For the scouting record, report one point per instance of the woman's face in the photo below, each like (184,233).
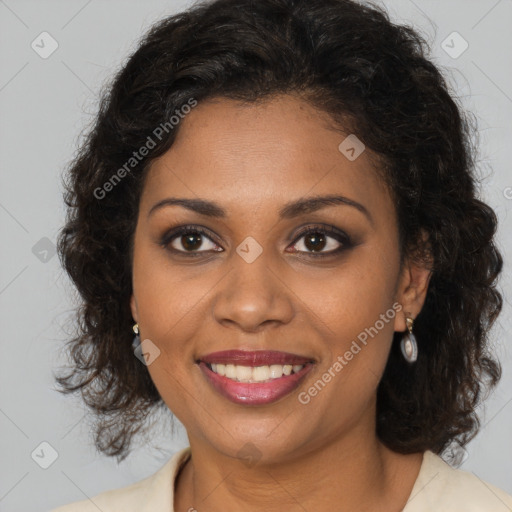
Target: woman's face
(252,281)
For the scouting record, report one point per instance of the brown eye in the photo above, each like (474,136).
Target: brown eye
(315,242)
(189,239)
(321,241)
(190,242)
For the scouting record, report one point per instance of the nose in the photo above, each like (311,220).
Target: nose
(253,296)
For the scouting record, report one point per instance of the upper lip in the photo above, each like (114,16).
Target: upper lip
(254,358)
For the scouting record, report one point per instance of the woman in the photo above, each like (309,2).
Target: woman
(278,198)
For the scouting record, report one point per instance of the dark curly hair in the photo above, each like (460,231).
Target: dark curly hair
(374,79)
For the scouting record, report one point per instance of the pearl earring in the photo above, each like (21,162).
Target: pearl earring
(136,338)
(408,344)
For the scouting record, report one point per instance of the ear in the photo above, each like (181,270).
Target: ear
(413,286)
(133,307)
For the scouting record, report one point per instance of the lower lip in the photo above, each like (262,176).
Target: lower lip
(254,393)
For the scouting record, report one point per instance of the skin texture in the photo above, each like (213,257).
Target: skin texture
(252,159)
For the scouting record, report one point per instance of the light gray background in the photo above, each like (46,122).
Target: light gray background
(45,103)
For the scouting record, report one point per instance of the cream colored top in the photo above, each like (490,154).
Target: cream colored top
(438,488)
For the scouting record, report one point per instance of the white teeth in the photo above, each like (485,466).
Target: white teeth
(243,372)
(261,373)
(231,371)
(255,373)
(276,371)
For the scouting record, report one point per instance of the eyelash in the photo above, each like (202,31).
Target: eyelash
(330,231)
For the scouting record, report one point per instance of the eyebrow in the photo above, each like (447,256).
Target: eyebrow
(288,211)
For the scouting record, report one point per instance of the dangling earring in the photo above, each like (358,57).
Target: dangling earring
(136,338)
(408,344)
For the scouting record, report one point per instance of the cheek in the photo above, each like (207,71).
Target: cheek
(170,301)
(354,311)
(354,295)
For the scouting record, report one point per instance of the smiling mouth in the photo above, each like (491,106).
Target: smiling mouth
(254,377)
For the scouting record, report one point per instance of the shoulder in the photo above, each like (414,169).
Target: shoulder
(442,488)
(152,494)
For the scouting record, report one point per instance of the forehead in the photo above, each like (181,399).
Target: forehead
(252,156)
